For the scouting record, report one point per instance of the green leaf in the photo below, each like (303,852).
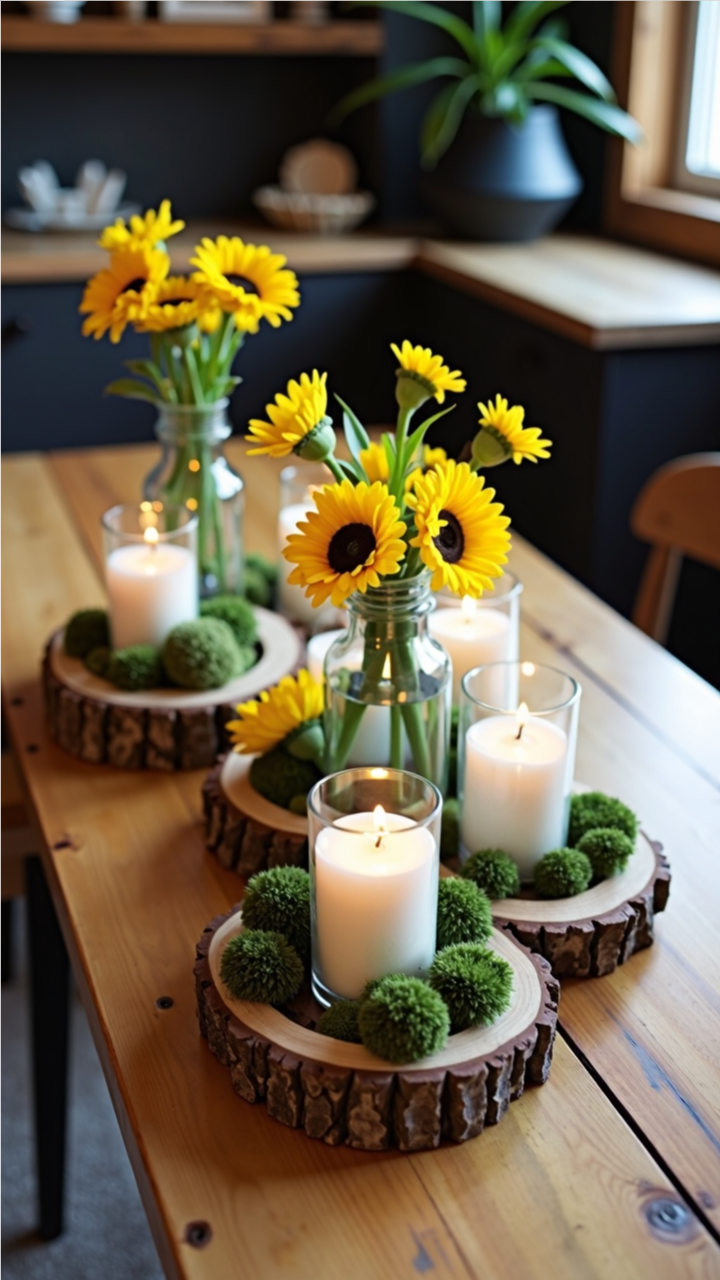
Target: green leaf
(352,470)
(486,17)
(355,434)
(527,15)
(193,375)
(388,445)
(147,369)
(539,69)
(442,18)
(416,439)
(131,389)
(432,122)
(579,65)
(405,78)
(604,114)
(448,123)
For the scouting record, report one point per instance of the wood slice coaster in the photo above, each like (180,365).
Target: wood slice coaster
(246,832)
(341,1093)
(589,935)
(162,729)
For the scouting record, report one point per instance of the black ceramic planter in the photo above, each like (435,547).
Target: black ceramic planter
(504,182)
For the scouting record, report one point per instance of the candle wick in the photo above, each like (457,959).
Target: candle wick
(518,735)
(378,842)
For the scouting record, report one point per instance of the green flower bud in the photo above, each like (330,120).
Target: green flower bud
(318,444)
(411,389)
(489,449)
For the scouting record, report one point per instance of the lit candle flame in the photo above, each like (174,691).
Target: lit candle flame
(468,606)
(380,824)
(523,715)
(151,536)
(386,675)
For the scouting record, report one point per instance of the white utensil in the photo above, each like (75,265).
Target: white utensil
(110,194)
(90,179)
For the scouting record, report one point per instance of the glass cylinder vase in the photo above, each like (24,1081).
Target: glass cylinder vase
(193,472)
(388,684)
(476,632)
(150,571)
(297,484)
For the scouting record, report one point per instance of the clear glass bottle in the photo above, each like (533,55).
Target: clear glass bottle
(388,684)
(193,472)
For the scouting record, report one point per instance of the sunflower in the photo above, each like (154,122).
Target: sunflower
(247,280)
(179,302)
(505,425)
(431,458)
(374,462)
(351,540)
(281,710)
(461,533)
(293,417)
(151,229)
(124,291)
(419,365)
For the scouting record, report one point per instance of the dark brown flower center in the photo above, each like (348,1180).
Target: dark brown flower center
(137,284)
(450,541)
(240,282)
(350,547)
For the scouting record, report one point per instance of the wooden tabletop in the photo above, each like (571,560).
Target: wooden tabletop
(610,1170)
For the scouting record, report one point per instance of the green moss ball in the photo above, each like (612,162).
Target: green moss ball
(403,1020)
(474,982)
(262,967)
(562,873)
(260,564)
(203,654)
(98,661)
(494,871)
(256,587)
(608,849)
(278,900)
(238,614)
(463,913)
(137,667)
(283,780)
(341,1021)
(88,629)
(595,809)
(450,830)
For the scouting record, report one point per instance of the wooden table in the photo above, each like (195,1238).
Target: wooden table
(610,1170)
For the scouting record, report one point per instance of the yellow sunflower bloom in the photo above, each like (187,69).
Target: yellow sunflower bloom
(150,229)
(427,371)
(281,710)
(352,540)
(431,458)
(178,302)
(247,280)
(374,462)
(123,293)
(294,417)
(505,425)
(461,533)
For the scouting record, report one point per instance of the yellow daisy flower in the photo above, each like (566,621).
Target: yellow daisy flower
(124,291)
(352,540)
(431,458)
(421,366)
(150,229)
(178,302)
(282,709)
(461,532)
(292,417)
(247,280)
(374,462)
(505,425)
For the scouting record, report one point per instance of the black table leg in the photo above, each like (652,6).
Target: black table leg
(49,1002)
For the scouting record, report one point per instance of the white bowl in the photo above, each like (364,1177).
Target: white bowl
(314,214)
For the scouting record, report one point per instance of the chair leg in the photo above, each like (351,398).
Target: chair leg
(6,941)
(50,1010)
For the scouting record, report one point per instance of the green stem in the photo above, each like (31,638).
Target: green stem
(332,464)
(398,478)
(396,753)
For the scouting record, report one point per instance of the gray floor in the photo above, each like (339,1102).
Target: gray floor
(106,1233)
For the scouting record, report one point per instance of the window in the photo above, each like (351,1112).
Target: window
(697,165)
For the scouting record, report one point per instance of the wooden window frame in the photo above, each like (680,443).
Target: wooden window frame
(642,203)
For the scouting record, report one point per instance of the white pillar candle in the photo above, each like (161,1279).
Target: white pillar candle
(152,586)
(376,887)
(514,788)
(472,638)
(291,598)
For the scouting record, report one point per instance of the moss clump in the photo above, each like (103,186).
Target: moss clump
(98,661)
(88,629)
(608,849)
(204,654)
(463,913)
(474,982)
(595,809)
(403,1020)
(259,564)
(562,873)
(137,667)
(450,830)
(262,967)
(341,1021)
(237,613)
(283,780)
(256,587)
(278,901)
(494,871)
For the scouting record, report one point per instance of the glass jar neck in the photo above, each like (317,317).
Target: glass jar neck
(180,424)
(395,599)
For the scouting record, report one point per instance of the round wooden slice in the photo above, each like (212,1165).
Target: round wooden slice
(163,729)
(341,1093)
(318,167)
(244,830)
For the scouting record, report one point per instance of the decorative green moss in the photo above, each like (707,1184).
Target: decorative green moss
(595,809)
(238,614)
(261,966)
(88,629)
(283,779)
(341,1021)
(474,982)
(278,900)
(204,654)
(98,661)
(137,667)
(256,587)
(463,913)
(450,830)
(493,871)
(403,1020)
(608,849)
(259,564)
(562,873)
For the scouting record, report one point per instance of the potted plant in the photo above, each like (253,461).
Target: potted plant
(491,143)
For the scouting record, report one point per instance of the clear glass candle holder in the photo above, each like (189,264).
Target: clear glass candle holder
(150,570)
(475,632)
(517,735)
(374,840)
(296,489)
